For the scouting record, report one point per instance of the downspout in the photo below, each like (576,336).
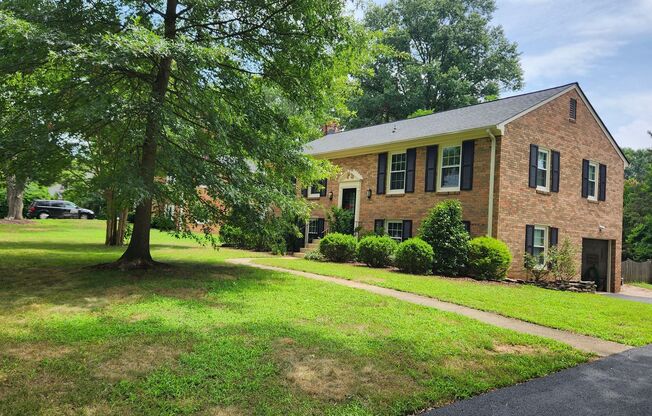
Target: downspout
(492,174)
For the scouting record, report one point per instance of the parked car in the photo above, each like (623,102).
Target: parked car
(42,209)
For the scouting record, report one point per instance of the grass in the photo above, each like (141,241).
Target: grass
(590,314)
(641,284)
(205,337)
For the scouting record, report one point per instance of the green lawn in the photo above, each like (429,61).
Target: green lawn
(642,284)
(205,337)
(600,316)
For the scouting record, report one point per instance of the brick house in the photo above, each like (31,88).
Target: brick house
(529,170)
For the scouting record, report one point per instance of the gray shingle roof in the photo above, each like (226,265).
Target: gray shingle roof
(476,116)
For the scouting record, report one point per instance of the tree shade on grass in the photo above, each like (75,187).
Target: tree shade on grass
(204,337)
(590,314)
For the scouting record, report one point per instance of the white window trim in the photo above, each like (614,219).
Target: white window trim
(545,243)
(389,173)
(312,194)
(387,222)
(440,168)
(548,169)
(595,165)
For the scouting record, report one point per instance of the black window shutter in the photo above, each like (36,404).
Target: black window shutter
(382,173)
(304,192)
(411,156)
(534,154)
(407,229)
(602,190)
(379,227)
(554,186)
(585,178)
(553,237)
(431,168)
(529,239)
(324,184)
(320,227)
(467,226)
(468,150)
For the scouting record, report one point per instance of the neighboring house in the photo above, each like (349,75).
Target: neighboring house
(529,170)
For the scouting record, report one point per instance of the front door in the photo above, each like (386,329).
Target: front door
(348,203)
(595,263)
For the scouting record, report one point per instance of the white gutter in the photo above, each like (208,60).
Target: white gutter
(492,174)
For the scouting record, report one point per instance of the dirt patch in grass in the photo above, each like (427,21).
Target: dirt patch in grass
(224,411)
(138,360)
(186,293)
(37,351)
(335,379)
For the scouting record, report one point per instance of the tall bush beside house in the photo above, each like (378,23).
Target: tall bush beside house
(338,247)
(563,261)
(444,230)
(376,251)
(536,266)
(414,256)
(489,258)
(341,221)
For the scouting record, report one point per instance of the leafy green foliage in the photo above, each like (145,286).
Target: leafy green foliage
(639,240)
(238,237)
(340,220)
(536,266)
(216,94)
(376,251)
(444,231)
(414,256)
(33,191)
(637,203)
(489,258)
(435,55)
(564,265)
(338,247)
(314,255)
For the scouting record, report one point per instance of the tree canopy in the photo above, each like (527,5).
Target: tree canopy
(215,94)
(437,55)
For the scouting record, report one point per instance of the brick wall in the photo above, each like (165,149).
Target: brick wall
(576,217)
(413,206)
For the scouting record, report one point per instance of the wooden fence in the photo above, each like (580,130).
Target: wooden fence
(633,271)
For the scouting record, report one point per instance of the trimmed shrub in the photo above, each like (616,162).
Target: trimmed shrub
(489,258)
(314,255)
(414,256)
(338,247)
(444,231)
(376,251)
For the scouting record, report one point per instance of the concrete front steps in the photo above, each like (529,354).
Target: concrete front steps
(310,247)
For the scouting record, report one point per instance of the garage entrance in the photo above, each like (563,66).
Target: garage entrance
(596,264)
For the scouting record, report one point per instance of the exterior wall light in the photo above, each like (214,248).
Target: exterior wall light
(330,195)
(369,193)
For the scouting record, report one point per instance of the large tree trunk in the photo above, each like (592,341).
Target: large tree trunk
(15,191)
(138,254)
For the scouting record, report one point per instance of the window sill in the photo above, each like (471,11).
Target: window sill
(543,192)
(314,196)
(572,120)
(395,194)
(593,201)
(451,192)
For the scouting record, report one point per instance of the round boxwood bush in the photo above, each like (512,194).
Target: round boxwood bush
(414,256)
(338,247)
(376,251)
(488,258)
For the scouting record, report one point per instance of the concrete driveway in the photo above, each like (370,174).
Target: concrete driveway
(620,384)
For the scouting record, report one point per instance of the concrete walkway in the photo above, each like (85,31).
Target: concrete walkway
(582,342)
(617,385)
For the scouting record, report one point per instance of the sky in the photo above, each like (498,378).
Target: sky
(605,45)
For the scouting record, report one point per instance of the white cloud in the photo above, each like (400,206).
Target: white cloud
(634,134)
(619,20)
(572,59)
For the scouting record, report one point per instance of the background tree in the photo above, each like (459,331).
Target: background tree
(437,55)
(637,204)
(221,94)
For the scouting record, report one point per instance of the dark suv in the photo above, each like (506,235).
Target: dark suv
(57,209)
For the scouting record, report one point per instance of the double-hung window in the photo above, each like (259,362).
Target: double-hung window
(313,191)
(593,181)
(451,165)
(397,168)
(395,230)
(543,169)
(540,243)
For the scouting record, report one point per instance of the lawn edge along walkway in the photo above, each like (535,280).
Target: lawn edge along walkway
(585,343)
